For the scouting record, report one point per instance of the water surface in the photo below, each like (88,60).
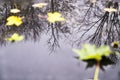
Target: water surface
(32,58)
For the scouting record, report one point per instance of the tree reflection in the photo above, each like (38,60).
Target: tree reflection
(85,18)
(34,26)
(30,28)
(57,28)
(104,26)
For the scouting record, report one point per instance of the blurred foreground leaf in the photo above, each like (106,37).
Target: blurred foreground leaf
(89,51)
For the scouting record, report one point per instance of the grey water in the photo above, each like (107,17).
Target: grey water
(33,60)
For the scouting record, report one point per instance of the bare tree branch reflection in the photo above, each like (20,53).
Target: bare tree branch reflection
(33,26)
(58,29)
(105,29)
(92,24)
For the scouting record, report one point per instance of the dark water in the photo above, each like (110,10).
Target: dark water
(32,58)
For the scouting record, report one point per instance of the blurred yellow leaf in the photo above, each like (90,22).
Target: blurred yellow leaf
(89,51)
(39,5)
(53,17)
(15,10)
(15,37)
(110,9)
(14,20)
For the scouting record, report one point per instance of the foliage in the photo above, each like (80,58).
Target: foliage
(110,9)
(15,37)
(15,10)
(55,16)
(94,55)
(14,20)
(39,5)
(92,52)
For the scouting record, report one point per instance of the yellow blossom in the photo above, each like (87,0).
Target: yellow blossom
(15,37)
(14,20)
(54,17)
(15,10)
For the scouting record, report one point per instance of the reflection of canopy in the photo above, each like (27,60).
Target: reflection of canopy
(97,25)
(101,26)
(32,26)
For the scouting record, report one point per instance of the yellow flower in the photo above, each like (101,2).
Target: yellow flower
(14,20)
(15,37)
(39,5)
(53,17)
(15,10)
